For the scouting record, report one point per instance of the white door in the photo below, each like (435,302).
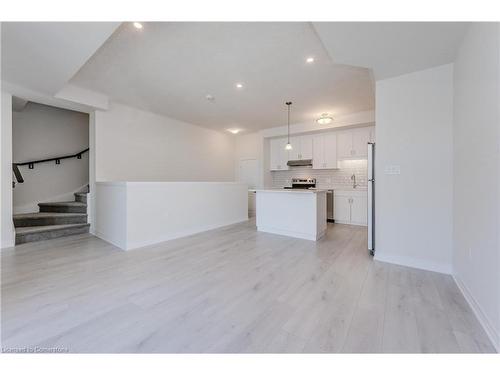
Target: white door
(318,152)
(360,139)
(344,144)
(248,172)
(330,150)
(306,147)
(342,209)
(359,210)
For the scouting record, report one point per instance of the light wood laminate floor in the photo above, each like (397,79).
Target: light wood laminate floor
(229,290)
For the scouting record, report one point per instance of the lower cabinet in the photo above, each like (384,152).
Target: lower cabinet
(351,207)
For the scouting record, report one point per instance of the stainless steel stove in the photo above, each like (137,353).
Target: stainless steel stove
(302,183)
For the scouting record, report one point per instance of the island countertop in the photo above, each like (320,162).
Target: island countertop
(300,191)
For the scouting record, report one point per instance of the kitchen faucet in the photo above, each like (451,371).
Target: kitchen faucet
(353,178)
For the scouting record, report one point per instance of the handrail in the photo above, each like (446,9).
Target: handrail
(56,159)
(31,164)
(17,173)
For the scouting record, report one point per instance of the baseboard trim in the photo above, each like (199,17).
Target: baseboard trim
(481,317)
(108,239)
(413,263)
(7,244)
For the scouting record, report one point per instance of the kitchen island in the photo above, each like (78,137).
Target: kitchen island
(292,212)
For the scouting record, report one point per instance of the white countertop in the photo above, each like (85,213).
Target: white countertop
(299,191)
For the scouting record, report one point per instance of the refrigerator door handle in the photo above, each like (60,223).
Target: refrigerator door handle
(371,198)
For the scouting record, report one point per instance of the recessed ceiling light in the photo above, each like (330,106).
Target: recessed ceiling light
(310,60)
(239,85)
(138,25)
(234,131)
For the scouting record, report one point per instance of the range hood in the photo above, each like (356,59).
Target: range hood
(300,163)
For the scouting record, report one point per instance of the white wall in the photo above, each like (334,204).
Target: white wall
(152,212)
(134,145)
(476,173)
(414,114)
(40,132)
(6,225)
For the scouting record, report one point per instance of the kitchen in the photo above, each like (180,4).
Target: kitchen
(329,163)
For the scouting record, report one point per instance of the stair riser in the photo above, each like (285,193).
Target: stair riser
(32,237)
(81,198)
(39,221)
(67,209)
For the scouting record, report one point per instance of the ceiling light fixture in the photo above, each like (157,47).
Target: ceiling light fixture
(324,119)
(310,60)
(239,85)
(138,25)
(288,146)
(234,131)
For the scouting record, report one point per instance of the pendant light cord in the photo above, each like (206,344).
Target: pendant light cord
(288,105)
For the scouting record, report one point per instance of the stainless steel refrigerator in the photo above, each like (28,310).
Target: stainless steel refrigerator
(371,198)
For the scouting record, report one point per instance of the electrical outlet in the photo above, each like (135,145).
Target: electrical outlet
(392,169)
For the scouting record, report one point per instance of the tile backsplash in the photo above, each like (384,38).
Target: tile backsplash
(326,178)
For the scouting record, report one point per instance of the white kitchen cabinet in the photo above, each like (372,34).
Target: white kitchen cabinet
(372,134)
(324,147)
(351,207)
(302,147)
(344,144)
(342,208)
(360,139)
(359,210)
(306,147)
(277,154)
(352,144)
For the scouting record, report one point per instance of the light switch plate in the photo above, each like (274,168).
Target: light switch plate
(392,169)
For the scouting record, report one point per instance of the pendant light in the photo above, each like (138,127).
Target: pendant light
(288,146)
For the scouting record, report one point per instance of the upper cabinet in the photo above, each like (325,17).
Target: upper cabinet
(352,144)
(325,151)
(302,147)
(277,154)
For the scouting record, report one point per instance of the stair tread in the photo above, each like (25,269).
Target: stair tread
(31,215)
(46,228)
(71,203)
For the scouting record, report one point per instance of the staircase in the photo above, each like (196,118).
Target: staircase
(55,219)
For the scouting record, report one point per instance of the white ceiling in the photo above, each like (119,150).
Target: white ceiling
(43,56)
(392,48)
(169,68)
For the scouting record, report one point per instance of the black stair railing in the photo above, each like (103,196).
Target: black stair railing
(31,164)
